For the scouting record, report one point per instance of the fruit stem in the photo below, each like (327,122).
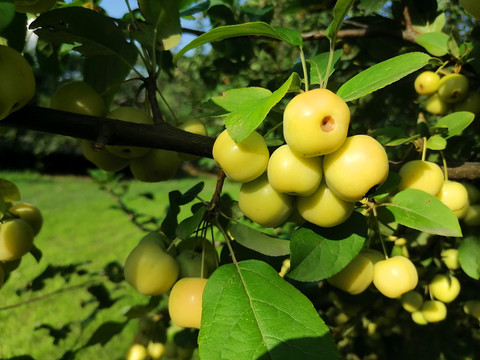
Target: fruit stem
(377,226)
(304,67)
(329,63)
(227,241)
(424,149)
(445,168)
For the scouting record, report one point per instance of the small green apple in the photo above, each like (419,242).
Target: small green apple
(102,158)
(157,165)
(450,258)
(193,126)
(78,97)
(453,88)
(435,105)
(356,277)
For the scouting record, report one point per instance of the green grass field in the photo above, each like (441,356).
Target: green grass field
(80,226)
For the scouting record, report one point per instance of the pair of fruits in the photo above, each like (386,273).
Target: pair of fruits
(319,173)
(148,165)
(429,177)
(392,276)
(450,92)
(17,85)
(20,224)
(154,267)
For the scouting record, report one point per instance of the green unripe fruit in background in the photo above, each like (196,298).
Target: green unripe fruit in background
(453,88)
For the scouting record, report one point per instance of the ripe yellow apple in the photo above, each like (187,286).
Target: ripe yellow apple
(455,196)
(78,97)
(435,105)
(17,85)
(157,165)
(33,6)
(357,167)
(418,318)
(470,103)
(243,161)
(472,307)
(316,122)
(185,302)
(356,277)
(472,215)
(433,310)
(16,239)
(444,287)
(155,350)
(149,269)
(450,258)
(28,212)
(427,83)
(411,301)
(193,126)
(261,203)
(137,352)
(395,276)
(453,88)
(102,158)
(294,174)
(129,114)
(324,208)
(422,175)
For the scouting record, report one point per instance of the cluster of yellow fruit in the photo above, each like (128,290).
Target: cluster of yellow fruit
(446,93)
(146,164)
(429,177)
(19,224)
(156,267)
(319,173)
(17,85)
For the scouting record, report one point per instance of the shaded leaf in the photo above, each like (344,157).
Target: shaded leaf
(318,66)
(382,74)
(257,295)
(424,212)
(187,226)
(105,332)
(318,253)
(259,241)
(9,191)
(469,256)
(455,122)
(339,12)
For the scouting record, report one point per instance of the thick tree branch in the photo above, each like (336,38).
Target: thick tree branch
(108,131)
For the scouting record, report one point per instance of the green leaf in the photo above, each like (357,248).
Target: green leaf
(109,57)
(272,319)
(257,28)
(259,241)
(436,142)
(424,212)
(469,256)
(165,18)
(318,66)
(187,226)
(339,12)
(248,107)
(7,13)
(455,122)
(436,43)
(318,253)
(382,74)
(402,141)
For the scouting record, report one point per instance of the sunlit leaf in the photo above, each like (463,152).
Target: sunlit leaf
(436,43)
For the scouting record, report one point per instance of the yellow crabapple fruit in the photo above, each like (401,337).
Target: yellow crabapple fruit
(433,310)
(471,103)
(185,302)
(78,97)
(137,352)
(157,165)
(454,195)
(450,258)
(427,83)
(193,126)
(33,6)
(357,167)
(472,307)
(324,208)
(156,350)
(294,174)
(444,287)
(356,277)
(374,255)
(472,215)
(421,175)
(453,88)
(243,161)
(149,269)
(316,122)
(395,276)
(411,301)
(16,239)
(261,203)
(28,212)
(133,115)
(102,158)
(418,318)
(435,105)
(17,85)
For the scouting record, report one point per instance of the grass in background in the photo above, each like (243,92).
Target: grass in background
(81,225)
